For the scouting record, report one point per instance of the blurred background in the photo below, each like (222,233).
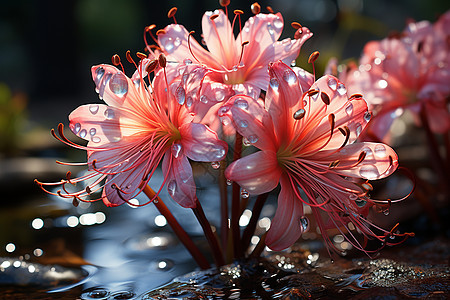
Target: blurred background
(47,49)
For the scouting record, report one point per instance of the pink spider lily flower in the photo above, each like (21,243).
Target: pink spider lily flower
(237,62)
(138,128)
(307,143)
(409,71)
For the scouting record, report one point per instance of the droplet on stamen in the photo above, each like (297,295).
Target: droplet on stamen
(241,103)
(289,76)
(83,133)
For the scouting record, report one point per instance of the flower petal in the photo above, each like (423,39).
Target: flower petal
(285,228)
(258,173)
(201,143)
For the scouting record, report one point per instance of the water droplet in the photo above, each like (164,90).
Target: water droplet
(168,45)
(274,83)
(304,224)
(203,99)
(180,95)
(172,187)
(229,182)
(341,89)
(349,109)
(235,68)
(270,29)
(225,120)
(241,103)
(219,152)
(244,194)
(361,202)
(245,142)
(119,85)
(301,73)
(253,138)
(177,42)
(368,151)
(220,95)
(93,108)
(215,165)
(278,23)
(243,124)
(99,75)
(96,139)
(189,101)
(332,83)
(176,150)
(358,129)
(123,295)
(77,128)
(367,116)
(380,151)
(92,131)
(353,196)
(299,114)
(187,61)
(97,293)
(83,133)
(109,114)
(289,76)
(223,110)
(369,172)
(293,63)
(105,81)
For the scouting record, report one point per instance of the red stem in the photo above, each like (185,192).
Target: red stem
(223,205)
(235,204)
(212,240)
(179,231)
(256,211)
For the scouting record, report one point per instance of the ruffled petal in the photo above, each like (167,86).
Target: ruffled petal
(180,181)
(285,228)
(201,143)
(258,173)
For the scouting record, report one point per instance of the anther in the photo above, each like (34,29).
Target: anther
(269,9)
(160,31)
(298,34)
(355,97)
(129,58)
(361,157)
(172,12)
(88,190)
(256,8)
(152,65)
(213,17)
(296,25)
(325,98)
(334,164)
(367,186)
(115,59)
(313,57)
(162,60)
(150,27)
(224,3)
(331,119)
(238,12)
(299,114)
(311,93)
(68,175)
(75,202)
(141,55)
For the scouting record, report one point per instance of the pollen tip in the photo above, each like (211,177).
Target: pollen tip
(152,65)
(313,57)
(172,12)
(141,55)
(256,8)
(269,9)
(238,12)
(224,3)
(296,25)
(160,31)
(150,27)
(115,59)
(213,17)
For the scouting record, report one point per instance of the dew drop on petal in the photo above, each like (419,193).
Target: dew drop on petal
(77,128)
(243,124)
(245,142)
(358,129)
(219,153)
(168,44)
(241,103)
(109,114)
(119,85)
(341,89)
(369,172)
(105,81)
(220,95)
(176,150)
(270,29)
(289,76)
(225,120)
(95,139)
(253,138)
(278,23)
(380,151)
(229,182)
(99,75)
(349,109)
(203,99)
(304,224)
(223,110)
(353,196)
(93,108)
(215,165)
(299,114)
(244,194)
(177,42)
(83,133)
(180,95)
(367,116)
(92,131)
(187,61)
(368,151)
(332,83)
(172,187)
(189,101)
(274,83)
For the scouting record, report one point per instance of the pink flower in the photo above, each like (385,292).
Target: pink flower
(132,134)
(306,142)
(229,62)
(409,71)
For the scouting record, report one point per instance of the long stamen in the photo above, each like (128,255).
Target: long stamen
(117,62)
(312,58)
(189,45)
(171,14)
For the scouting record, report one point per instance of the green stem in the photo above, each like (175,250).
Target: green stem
(212,240)
(179,231)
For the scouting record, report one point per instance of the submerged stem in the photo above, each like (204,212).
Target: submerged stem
(176,227)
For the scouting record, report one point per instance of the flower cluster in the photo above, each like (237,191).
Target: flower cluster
(184,101)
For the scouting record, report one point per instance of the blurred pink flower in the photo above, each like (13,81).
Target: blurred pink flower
(132,134)
(306,142)
(234,65)
(408,71)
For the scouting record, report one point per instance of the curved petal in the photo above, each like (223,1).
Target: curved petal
(285,228)
(201,143)
(258,173)
(180,181)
